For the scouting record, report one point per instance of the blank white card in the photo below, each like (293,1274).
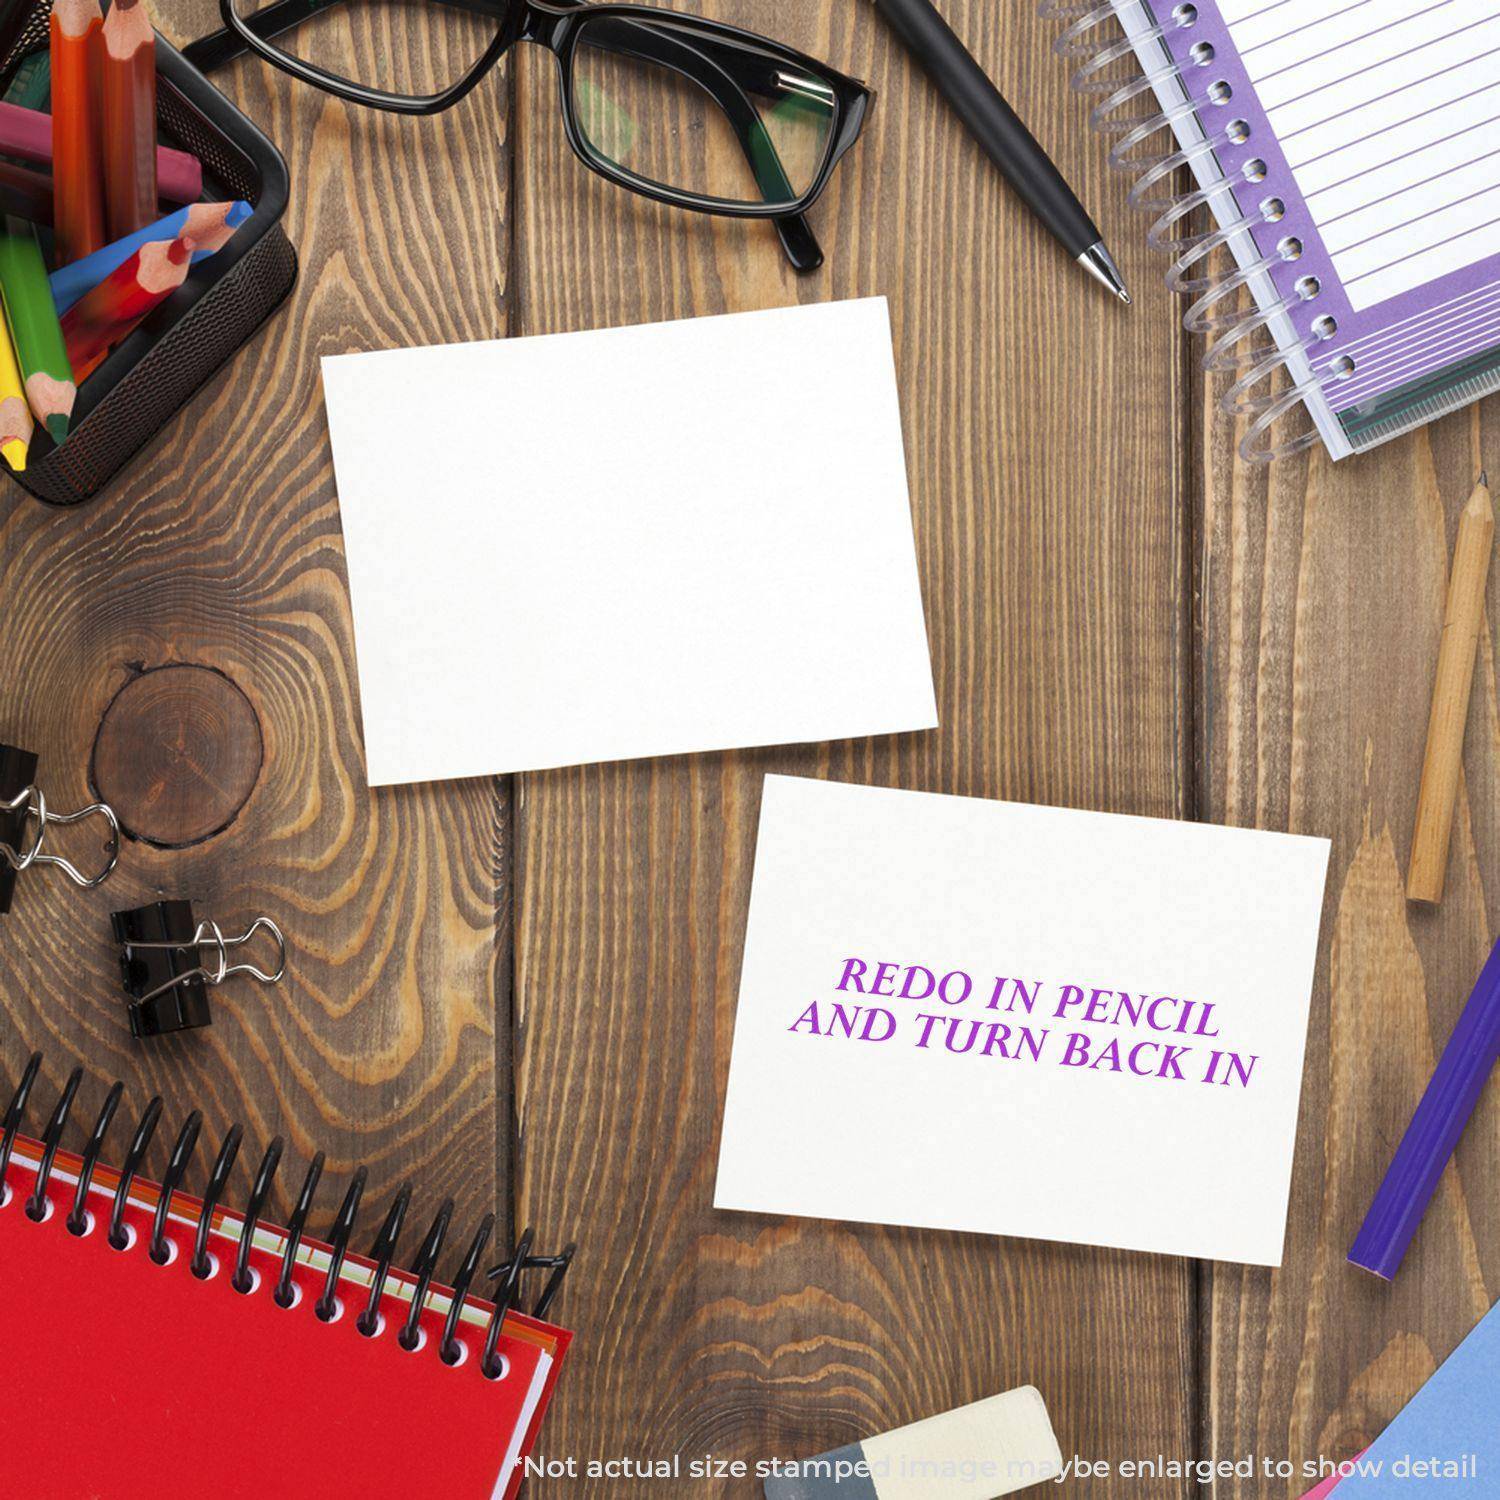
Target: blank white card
(640,541)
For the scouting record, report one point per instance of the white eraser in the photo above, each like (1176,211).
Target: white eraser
(980,1452)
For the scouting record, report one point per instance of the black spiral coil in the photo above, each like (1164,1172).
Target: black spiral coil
(244,1281)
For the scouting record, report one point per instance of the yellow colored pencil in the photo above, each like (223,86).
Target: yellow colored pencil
(15,415)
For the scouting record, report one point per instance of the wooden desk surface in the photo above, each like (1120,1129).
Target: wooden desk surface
(520,991)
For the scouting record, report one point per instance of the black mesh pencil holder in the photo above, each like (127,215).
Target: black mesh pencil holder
(165,362)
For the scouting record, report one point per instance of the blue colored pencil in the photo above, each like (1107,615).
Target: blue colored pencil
(208,224)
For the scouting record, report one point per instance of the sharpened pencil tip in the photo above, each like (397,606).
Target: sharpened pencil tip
(57,427)
(15,455)
(1484,478)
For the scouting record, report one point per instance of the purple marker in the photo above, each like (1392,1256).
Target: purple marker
(1432,1136)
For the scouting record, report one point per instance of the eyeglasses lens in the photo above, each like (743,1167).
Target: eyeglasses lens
(679,108)
(408,47)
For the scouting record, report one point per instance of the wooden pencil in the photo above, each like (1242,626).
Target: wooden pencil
(31,86)
(128,89)
(34,328)
(1462,621)
(16,425)
(210,226)
(98,321)
(25,193)
(78,182)
(26,134)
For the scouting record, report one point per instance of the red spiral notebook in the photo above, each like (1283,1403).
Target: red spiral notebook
(131,1379)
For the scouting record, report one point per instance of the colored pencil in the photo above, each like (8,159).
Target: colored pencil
(1463,619)
(32,85)
(25,193)
(78,182)
(128,89)
(26,134)
(34,328)
(1435,1130)
(15,416)
(98,321)
(209,224)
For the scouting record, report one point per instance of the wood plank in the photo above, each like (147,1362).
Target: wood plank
(222,550)
(1323,590)
(1049,497)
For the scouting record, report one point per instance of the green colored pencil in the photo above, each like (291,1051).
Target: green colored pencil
(34,328)
(32,85)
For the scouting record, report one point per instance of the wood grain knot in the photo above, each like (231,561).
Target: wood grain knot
(178,752)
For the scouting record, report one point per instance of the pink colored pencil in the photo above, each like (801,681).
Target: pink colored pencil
(26,134)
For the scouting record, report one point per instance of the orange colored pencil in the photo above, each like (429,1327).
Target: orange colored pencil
(128,89)
(78,179)
(99,320)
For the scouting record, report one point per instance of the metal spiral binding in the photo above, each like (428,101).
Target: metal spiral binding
(451,1351)
(1119,113)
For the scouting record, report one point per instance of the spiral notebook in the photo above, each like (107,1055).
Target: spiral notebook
(134,1377)
(1349,152)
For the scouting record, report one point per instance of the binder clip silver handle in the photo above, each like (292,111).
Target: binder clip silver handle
(32,804)
(209,934)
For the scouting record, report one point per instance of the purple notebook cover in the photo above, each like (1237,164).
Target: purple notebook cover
(1403,338)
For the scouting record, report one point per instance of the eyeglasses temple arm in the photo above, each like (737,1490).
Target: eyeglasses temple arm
(797,238)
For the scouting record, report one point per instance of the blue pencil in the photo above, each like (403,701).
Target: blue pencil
(209,224)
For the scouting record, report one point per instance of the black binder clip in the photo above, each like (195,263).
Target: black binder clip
(25,819)
(162,962)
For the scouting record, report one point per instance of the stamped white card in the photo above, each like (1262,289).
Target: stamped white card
(1017,1020)
(630,541)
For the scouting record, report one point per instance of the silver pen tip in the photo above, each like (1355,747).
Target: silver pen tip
(1100,264)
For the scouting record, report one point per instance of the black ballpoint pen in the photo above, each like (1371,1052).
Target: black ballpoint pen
(998,129)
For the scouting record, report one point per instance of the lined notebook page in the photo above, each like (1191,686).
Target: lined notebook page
(1389,113)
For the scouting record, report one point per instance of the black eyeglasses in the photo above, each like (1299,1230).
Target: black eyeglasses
(679,109)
